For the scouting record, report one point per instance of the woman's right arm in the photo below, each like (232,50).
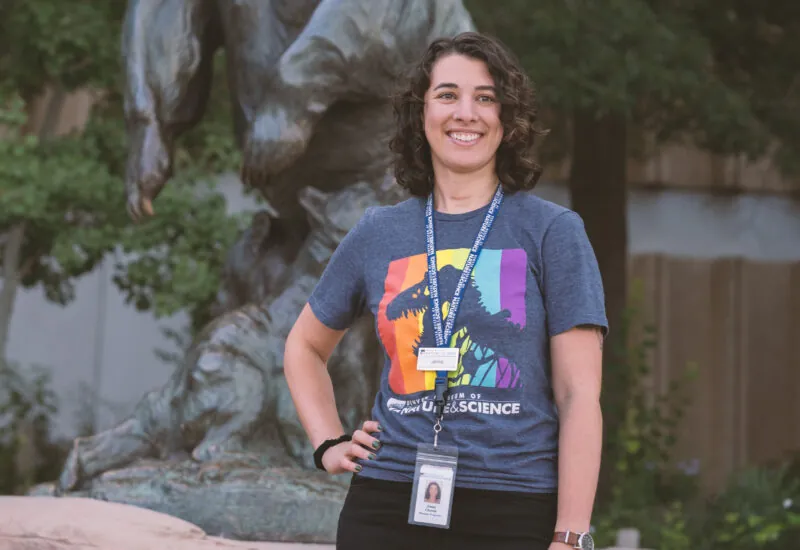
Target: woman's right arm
(308,347)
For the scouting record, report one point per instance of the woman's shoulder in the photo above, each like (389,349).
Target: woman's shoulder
(381,224)
(381,217)
(540,215)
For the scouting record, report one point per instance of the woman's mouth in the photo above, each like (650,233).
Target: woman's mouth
(464,138)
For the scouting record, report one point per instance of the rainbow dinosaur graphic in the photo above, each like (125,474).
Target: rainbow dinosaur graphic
(487,330)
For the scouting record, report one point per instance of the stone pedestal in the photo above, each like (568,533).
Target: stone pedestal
(234,499)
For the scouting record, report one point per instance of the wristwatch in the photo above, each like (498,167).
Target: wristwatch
(582,541)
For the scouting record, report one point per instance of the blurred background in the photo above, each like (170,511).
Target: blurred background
(674,132)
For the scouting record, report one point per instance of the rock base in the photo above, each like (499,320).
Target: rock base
(233,499)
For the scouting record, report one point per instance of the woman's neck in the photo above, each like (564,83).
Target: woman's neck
(459,193)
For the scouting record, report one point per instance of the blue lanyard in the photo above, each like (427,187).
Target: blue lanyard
(443,335)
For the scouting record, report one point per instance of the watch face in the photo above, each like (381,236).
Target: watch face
(586,542)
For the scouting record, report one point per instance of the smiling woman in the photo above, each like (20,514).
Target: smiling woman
(462,118)
(488,303)
(470,89)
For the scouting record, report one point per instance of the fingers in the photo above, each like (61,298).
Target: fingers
(346,464)
(365,440)
(359,451)
(362,446)
(355,451)
(344,458)
(371,426)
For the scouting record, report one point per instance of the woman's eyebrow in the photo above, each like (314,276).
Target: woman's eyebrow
(452,85)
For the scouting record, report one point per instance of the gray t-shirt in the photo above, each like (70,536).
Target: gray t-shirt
(536,277)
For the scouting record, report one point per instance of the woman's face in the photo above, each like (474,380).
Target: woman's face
(462,115)
(434,491)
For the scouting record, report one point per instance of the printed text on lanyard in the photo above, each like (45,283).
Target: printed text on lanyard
(443,334)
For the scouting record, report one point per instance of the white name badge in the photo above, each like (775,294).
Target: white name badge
(445,359)
(434,486)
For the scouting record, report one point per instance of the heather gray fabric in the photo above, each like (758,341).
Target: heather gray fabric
(536,277)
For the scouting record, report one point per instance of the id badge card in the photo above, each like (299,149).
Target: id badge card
(434,484)
(437,359)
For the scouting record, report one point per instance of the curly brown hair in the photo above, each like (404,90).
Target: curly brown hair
(516,164)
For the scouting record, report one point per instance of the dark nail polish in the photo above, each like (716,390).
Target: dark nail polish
(376,444)
(380,428)
(358,467)
(372,456)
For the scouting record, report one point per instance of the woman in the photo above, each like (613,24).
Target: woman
(433,494)
(521,405)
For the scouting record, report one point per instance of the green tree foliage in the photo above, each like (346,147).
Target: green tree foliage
(756,53)
(717,72)
(62,205)
(73,43)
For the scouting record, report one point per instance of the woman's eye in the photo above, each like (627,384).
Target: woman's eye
(447,95)
(486,99)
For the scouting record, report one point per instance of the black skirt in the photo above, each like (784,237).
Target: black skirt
(375,514)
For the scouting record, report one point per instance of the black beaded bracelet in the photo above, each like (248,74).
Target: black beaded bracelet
(324,446)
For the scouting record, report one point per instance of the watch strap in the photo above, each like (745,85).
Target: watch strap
(567,537)
(324,446)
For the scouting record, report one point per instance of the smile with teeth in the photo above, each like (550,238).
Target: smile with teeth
(464,137)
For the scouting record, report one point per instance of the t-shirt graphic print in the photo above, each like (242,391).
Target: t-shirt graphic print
(487,329)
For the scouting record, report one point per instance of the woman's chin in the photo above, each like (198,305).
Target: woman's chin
(466,166)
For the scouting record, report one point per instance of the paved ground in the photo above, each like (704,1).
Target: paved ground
(286,546)
(274,546)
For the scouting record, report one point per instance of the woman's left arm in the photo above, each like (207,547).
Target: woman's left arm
(577,367)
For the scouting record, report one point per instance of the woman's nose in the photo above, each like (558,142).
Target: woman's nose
(465,110)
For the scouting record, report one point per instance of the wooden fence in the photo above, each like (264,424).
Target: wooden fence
(677,166)
(738,321)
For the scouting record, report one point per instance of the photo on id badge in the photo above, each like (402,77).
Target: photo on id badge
(432,500)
